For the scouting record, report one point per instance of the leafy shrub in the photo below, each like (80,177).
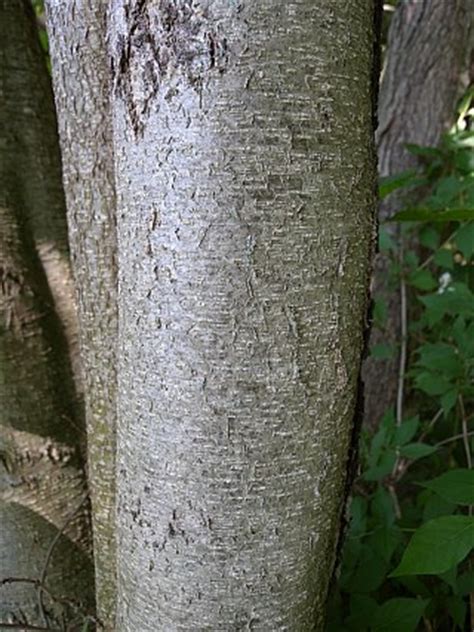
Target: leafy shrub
(406,562)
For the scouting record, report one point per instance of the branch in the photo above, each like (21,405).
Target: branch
(403,350)
(465,433)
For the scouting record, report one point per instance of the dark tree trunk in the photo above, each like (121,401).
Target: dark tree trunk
(427,54)
(42,438)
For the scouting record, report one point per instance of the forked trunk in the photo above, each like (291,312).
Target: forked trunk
(44,532)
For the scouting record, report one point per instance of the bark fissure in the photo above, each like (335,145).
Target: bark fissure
(180,41)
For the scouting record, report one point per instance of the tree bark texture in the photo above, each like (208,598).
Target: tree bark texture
(427,54)
(245,210)
(77,31)
(42,479)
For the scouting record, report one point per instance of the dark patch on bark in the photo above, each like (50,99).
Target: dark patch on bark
(376,59)
(175,40)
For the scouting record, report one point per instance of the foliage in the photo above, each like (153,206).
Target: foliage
(406,562)
(38,7)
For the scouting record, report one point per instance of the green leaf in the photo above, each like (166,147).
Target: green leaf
(382,437)
(414,585)
(464,159)
(352,552)
(382,507)
(465,103)
(335,611)
(435,506)
(441,357)
(417,450)
(398,615)
(444,258)
(358,515)
(437,546)
(369,574)
(456,486)
(432,383)
(383,351)
(456,300)
(465,240)
(422,280)
(425,152)
(385,540)
(448,400)
(447,190)
(429,237)
(391,183)
(457,609)
(462,139)
(380,312)
(407,430)
(425,214)
(384,467)
(386,242)
(464,336)
(449,577)
(465,582)
(411,260)
(362,610)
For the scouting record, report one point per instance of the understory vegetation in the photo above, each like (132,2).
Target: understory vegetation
(407,563)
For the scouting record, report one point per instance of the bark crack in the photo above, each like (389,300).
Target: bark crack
(179,40)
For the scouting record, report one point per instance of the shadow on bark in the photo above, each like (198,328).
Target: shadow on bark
(45,534)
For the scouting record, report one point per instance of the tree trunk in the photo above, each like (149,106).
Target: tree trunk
(42,481)
(427,53)
(77,30)
(245,178)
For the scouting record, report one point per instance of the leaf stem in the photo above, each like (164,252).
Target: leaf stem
(465,433)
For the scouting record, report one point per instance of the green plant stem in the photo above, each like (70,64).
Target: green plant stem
(396,504)
(465,432)
(403,348)
(431,424)
(429,259)
(428,625)
(454,438)
(401,379)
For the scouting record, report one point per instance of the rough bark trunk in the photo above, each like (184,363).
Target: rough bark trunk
(245,178)
(42,480)
(427,54)
(77,30)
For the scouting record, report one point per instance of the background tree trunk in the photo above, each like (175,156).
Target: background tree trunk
(427,53)
(42,438)
(77,30)
(245,177)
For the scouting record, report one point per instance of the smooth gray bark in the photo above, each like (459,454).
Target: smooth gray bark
(42,438)
(245,176)
(427,53)
(77,31)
